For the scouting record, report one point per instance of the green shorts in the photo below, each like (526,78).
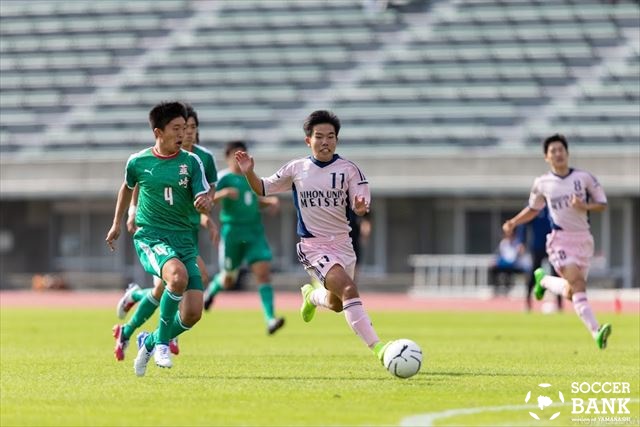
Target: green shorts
(155,247)
(242,243)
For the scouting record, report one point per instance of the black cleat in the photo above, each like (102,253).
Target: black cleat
(274,325)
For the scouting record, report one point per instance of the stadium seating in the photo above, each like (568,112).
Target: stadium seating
(80,74)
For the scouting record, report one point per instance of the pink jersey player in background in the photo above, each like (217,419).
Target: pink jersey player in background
(569,194)
(324,187)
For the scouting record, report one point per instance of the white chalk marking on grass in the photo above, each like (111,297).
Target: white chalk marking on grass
(426,420)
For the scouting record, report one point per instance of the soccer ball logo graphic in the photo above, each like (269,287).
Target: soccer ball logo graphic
(543,401)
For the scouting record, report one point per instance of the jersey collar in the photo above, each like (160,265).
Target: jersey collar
(563,176)
(160,156)
(323,164)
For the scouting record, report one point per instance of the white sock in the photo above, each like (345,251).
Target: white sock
(555,284)
(318,297)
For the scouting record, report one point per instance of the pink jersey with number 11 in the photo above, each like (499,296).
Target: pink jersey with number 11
(322,192)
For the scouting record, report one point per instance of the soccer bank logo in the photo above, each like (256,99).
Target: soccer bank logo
(544,397)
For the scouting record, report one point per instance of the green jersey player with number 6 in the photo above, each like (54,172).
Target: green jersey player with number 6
(171,182)
(242,236)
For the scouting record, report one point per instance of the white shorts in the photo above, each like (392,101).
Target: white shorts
(570,247)
(319,255)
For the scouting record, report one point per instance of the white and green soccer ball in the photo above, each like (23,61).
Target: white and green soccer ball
(403,358)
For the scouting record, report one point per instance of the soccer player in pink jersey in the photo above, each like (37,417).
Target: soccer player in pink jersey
(324,186)
(569,194)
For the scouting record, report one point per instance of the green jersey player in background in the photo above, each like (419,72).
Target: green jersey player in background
(172,181)
(242,236)
(149,298)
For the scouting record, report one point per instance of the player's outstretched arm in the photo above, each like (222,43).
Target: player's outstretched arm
(227,192)
(523,217)
(124,198)
(246,164)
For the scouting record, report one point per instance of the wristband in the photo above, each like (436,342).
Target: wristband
(132,210)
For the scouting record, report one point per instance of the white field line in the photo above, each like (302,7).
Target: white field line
(427,420)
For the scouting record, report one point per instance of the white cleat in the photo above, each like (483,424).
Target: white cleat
(126,302)
(143,357)
(162,356)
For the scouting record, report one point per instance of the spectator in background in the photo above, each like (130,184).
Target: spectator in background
(511,258)
(539,227)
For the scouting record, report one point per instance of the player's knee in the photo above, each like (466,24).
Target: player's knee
(205,277)
(263,278)
(176,280)
(228,282)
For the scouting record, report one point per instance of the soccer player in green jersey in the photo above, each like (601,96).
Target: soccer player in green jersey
(242,236)
(172,181)
(149,298)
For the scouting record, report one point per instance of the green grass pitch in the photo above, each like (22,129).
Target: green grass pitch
(57,368)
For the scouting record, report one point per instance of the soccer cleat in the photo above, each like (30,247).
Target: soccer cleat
(538,289)
(126,302)
(208,298)
(603,335)
(379,350)
(143,357)
(274,325)
(307,310)
(121,342)
(162,356)
(173,346)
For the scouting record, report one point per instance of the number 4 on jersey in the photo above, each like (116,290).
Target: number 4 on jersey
(168,195)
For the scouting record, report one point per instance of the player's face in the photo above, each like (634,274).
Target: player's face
(171,136)
(190,132)
(557,156)
(323,141)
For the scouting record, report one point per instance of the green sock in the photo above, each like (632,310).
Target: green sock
(140,294)
(143,312)
(266,296)
(168,308)
(215,285)
(177,327)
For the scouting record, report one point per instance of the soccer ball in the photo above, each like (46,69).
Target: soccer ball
(403,358)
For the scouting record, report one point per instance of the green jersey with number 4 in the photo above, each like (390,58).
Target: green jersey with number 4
(168,188)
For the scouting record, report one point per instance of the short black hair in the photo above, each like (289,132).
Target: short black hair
(161,114)
(556,137)
(192,113)
(233,146)
(319,117)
